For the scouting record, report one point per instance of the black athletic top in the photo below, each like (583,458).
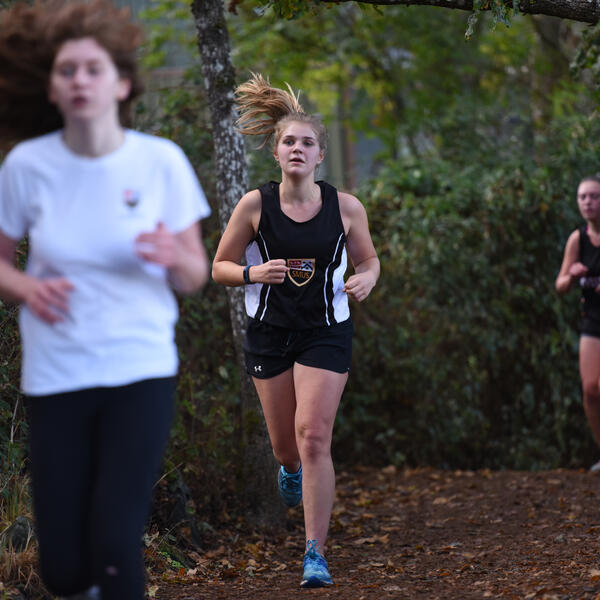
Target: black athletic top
(311,294)
(589,255)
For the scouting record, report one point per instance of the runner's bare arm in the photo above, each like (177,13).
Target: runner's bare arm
(360,248)
(240,231)
(571,269)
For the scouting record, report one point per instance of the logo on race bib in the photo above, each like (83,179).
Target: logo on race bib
(301,270)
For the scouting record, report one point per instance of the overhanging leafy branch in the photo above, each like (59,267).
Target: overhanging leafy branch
(585,11)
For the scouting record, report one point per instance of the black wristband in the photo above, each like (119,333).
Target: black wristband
(247,274)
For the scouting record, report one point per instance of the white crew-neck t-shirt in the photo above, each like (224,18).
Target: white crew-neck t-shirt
(82,216)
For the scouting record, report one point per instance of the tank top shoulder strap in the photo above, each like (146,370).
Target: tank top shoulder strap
(269,212)
(328,192)
(583,240)
(331,204)
(268,192)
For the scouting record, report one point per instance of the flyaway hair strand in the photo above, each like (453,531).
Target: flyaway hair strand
(261,106)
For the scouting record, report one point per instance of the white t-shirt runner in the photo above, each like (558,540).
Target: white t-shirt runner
(82,216)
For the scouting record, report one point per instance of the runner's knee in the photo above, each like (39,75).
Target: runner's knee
(313,442)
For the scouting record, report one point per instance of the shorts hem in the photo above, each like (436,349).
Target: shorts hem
(307,363)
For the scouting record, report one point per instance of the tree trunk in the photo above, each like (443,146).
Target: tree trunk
(257,473)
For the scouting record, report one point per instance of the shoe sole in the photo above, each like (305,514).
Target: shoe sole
(289,501)
(315,582)
(291,505)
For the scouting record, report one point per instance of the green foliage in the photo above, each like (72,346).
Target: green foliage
(479,352)
(204,442)
(393,92)
(587,57)
(169,33)
(285,9)
(500,11)
(14,498)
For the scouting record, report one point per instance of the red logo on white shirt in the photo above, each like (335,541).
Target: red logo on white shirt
(131,198)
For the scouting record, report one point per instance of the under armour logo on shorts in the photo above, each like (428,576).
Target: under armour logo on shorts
(258,368)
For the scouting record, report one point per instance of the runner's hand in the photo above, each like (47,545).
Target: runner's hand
(359,285)
(158,246)
(577,270)
(48,299)
(271,272)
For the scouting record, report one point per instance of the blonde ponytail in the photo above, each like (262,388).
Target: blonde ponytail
(261,106)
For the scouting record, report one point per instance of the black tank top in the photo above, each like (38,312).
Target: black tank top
(589,255)
(311,294)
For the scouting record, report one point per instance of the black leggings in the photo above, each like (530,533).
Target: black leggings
(95,456)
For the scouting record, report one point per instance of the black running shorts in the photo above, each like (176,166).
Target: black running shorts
(271,350)
(589,327)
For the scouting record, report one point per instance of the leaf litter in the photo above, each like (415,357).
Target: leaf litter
(423,533)
(407,534)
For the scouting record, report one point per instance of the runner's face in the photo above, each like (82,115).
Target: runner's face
(588,200)
(84,82)
(298,151)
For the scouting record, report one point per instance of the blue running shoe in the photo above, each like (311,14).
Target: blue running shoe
(316,572)
(290,486)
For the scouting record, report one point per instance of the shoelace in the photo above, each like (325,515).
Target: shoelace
(311,548)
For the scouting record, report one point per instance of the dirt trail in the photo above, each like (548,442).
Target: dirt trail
(423,534)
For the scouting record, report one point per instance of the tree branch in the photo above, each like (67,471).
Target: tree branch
(585,11)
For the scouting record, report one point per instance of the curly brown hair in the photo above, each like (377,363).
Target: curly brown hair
(266,110)
(30,37)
